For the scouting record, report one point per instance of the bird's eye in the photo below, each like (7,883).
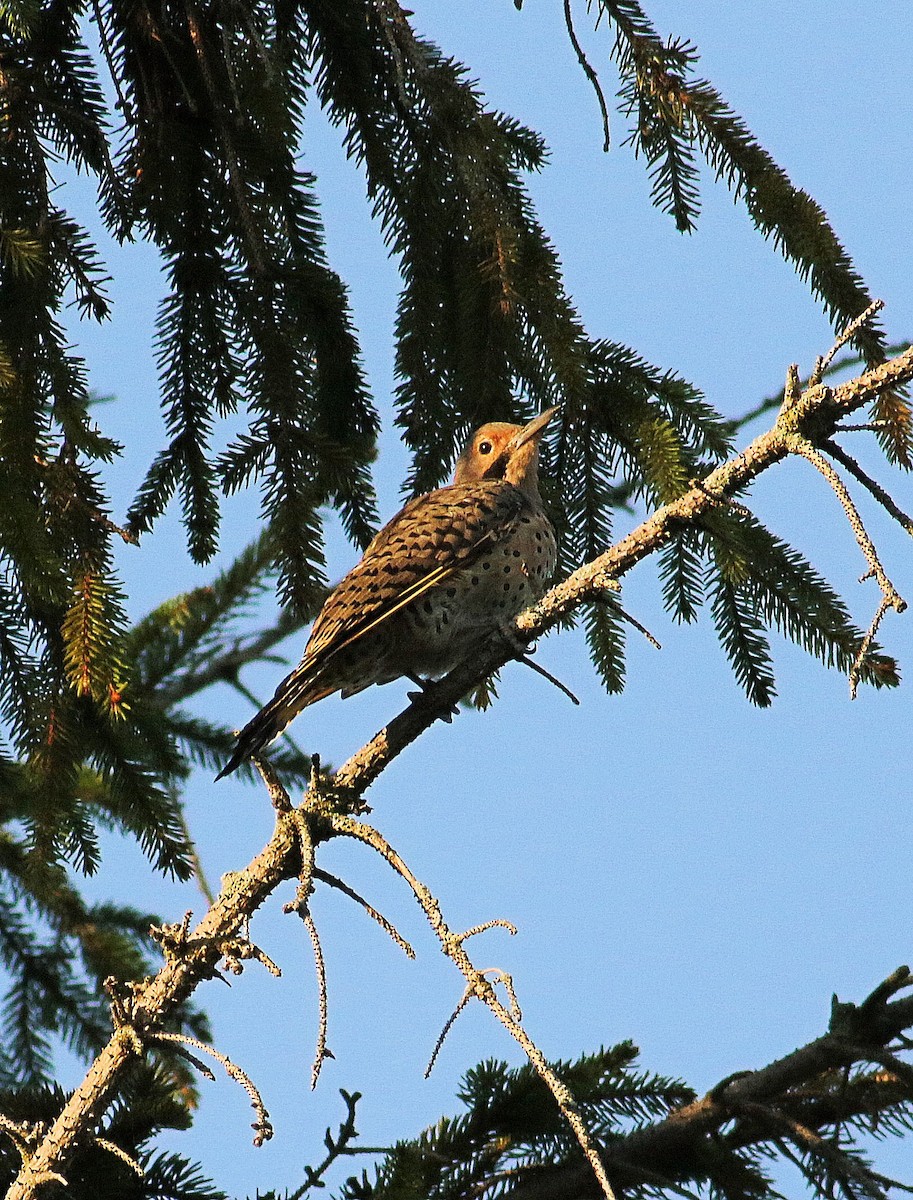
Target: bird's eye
(485,447)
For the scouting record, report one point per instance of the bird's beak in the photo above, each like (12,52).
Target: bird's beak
(532,430)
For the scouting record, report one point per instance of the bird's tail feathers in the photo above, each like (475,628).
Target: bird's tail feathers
(293,694)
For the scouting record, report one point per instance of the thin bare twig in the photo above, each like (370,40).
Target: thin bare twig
(867,427)
(494,923)
(500,976)
(590,74)
(321,1054)
(801,445)
(121,1153)
(277,793)
(387,926)
(612,603)
(884,498)
(534,666)
(865,644)
(263,1130)
(448,1025)
(336,1146)
(206,1071)
(773,403)
(846,335)
(890,597)
(507,982)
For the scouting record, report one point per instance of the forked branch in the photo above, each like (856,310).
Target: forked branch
(479,986)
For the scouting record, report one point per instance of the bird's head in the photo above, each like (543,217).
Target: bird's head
(500,450)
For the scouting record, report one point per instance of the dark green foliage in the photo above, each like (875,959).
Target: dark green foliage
(791,596)
(56,952)
(483,314)
(206,165)
(605,635)
(192,641)
(511,1126)
(682,572)
(742,637)
(254,314)
(757,581)
(511,1140)
(674,113)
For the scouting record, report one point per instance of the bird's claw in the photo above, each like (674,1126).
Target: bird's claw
(428,695)
(519,646)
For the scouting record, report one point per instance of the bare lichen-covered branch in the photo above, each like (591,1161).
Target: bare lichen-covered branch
(801,445)
(856,669)
(321,1053)
(387,926)
(241,894)
(263,1129)
(885,499)
(121,1153)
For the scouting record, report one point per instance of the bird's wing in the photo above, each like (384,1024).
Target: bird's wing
(429,541)
(433,538)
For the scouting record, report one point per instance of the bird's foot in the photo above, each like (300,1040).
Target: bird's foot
(429,695)
(518,645)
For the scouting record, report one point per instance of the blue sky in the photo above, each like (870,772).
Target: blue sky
(685,870)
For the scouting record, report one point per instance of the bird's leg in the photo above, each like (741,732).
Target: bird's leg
(520,647)
(428,695)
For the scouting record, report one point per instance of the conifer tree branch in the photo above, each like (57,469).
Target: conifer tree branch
(801,445)
(226,664)
(886,501)
(241,894)
(886,602)
(772,403)
(814,415)
(388,927)
(321,1053)
(783,1089)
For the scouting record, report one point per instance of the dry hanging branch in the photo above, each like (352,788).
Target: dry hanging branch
(815,415)
(478,986)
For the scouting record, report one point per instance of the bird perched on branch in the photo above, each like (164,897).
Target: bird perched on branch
(447,571)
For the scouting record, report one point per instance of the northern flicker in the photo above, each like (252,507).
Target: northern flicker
(450,568)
